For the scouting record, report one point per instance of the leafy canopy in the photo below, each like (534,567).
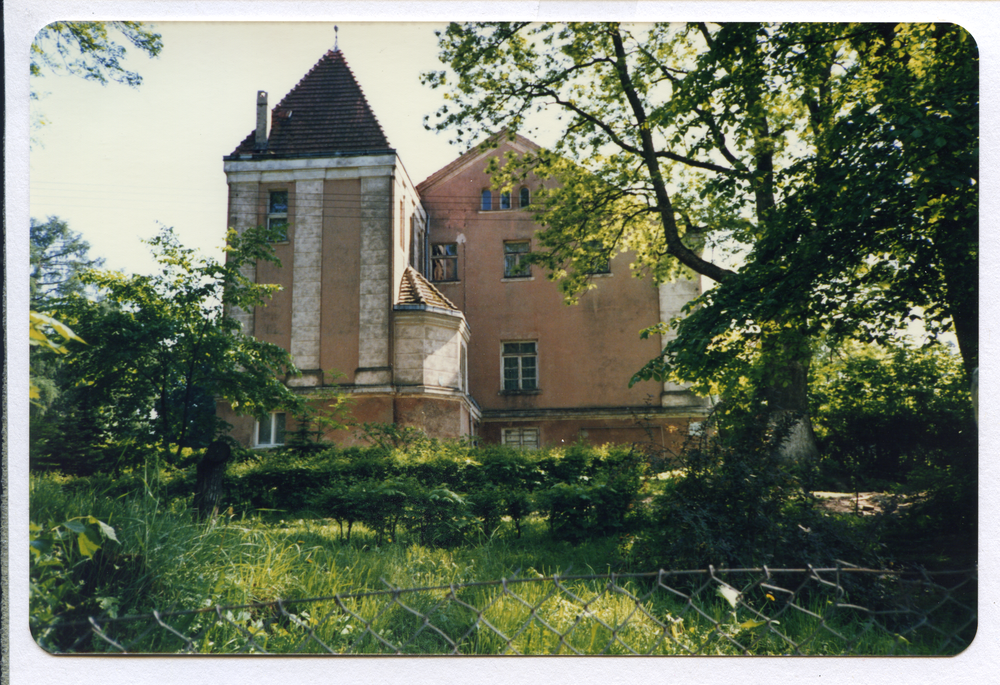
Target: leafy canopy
(836,161)
(163,347)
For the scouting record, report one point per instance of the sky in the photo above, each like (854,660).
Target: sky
(116,163)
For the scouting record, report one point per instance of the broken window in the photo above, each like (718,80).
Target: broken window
(514,263)
(520,438)
(520,366)
(271,430)
(277,214)
(444,262)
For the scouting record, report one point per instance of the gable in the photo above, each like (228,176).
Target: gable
(477,155)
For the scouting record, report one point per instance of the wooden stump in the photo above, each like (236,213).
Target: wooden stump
(211,469)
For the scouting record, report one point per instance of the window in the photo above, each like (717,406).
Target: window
(444,262)
(598,263)
(271,430)
(525,197)
(486,203)
(514,263)
(520,366)
(505,200)
(277,213)
(523,438)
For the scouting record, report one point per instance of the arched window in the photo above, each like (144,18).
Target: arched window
(525,197)
(487,201)
(505,200)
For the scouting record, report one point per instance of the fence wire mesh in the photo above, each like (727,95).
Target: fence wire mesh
(841,610)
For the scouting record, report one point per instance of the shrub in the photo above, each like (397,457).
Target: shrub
(739,505)
(881,415)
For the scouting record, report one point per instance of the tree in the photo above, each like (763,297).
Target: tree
(87,49)
(58,259)
(163,347)
(753,137)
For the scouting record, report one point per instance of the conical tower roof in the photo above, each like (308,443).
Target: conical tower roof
(326,113)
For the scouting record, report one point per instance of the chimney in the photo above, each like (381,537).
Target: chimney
(260,140)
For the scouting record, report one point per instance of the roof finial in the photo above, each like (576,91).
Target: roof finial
(335,48)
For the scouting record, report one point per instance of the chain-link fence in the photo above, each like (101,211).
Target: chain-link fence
(814,611)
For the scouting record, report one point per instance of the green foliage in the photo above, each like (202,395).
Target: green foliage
(880,414)
(835,164)
(903,416)
(736,505)
(62,557)
(164,348)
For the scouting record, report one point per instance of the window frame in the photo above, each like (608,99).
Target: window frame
(525,192)
(512,260)
(453,258)
(486,200)
(273,216)
(598,269)
(274,432)
(505,200)
(521,432)
(526,384)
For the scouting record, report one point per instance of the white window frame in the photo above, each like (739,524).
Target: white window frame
(274,432)
(520,357)
(521,438)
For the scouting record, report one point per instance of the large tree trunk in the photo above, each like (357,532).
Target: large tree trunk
(211,469)
(786,390)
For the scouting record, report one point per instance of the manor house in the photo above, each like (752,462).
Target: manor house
(414,299)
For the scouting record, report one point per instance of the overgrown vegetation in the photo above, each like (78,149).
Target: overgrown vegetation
(344,520)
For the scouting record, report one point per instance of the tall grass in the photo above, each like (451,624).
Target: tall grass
(167,561)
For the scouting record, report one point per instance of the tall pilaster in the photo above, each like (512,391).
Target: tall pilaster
(243,200)
(376,287)
(306,273)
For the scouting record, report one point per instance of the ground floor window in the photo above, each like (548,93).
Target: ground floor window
(271,430)
(523,438)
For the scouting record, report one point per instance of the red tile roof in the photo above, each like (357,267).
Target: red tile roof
(325,113)
(415,289)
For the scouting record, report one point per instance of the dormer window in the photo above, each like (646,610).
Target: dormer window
(505,200)
(277,214)
(486,202)
(525,197)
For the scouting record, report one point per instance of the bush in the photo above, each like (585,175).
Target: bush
(739,505)
(881,415)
